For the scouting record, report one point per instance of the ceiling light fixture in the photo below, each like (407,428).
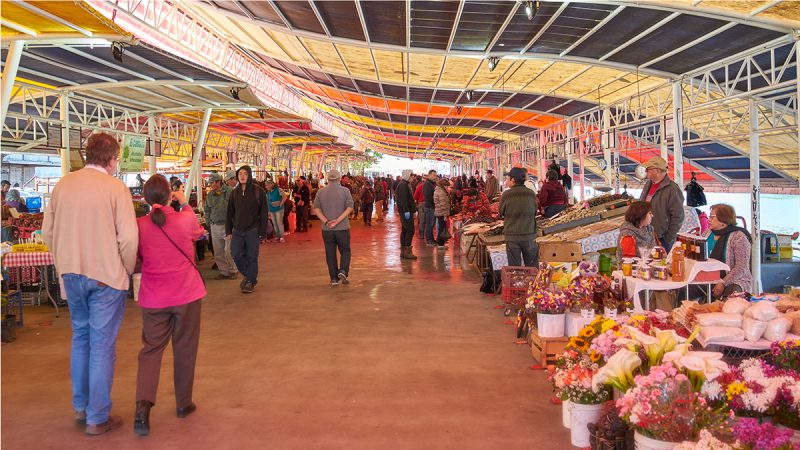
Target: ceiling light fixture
(235,93)
(261,113)
(117,49)
(531,9)
(493,60)
(469,94)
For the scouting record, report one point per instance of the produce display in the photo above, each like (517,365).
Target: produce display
(31,221)
(568,216)
(607,198)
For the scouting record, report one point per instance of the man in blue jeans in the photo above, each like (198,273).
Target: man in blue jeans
(430,217)
(246,226)
(95,258)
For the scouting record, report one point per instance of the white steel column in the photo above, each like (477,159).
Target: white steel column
(198,150)
(63,111)
(797,109)
(301,159)
(755,180)
(151,131)
(582,173)
(9,75)
(268,151)
(570,149)
(605,143)
(677,132)
(664,145)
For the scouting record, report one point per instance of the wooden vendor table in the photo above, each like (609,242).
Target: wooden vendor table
(481,257)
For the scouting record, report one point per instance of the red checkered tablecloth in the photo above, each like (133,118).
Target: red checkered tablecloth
(28,259)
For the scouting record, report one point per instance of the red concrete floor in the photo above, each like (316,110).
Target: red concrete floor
(409,355)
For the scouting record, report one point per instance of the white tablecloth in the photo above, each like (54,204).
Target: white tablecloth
(636,285)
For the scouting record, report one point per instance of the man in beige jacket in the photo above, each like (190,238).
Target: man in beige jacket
(90,226)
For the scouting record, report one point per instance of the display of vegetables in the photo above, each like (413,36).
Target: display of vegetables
(569,216)
(607,198)
(33,221)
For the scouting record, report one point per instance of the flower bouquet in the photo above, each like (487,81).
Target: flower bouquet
(549,308)
(662,406)
(786,355)
(750,434)
(587,334)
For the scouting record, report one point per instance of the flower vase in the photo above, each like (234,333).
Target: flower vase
(580,417)
(611,313)
(566,407)
(551,325)
(587,313)
(646,443)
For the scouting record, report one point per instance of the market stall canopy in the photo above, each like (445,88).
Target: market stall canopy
(456,77)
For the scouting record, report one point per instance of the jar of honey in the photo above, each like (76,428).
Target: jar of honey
(678,265)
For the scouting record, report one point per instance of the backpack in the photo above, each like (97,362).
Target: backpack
(369,195)
(694,194)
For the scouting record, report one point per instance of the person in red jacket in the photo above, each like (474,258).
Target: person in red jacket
(552,196)
(475,201)
(419,197)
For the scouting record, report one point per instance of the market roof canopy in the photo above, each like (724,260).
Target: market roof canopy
(145,80)
(47,19)
(414,76)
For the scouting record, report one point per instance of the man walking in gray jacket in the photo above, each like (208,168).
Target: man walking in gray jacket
(333,205)
(216,213)
(666,198)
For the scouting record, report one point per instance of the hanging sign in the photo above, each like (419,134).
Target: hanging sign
(132,159)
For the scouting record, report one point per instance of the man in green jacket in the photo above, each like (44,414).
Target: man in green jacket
(666,198)
(518,208)
(216,210)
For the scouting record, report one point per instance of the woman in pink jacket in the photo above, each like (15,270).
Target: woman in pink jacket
(169,296)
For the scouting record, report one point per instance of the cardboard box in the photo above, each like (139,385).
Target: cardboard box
(560,252)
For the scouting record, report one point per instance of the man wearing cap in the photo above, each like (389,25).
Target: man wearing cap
(492,186)
(518,209)
(406,207)
(333,205)
(666,199)
(216,214)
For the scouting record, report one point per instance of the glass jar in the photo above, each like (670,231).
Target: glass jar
(659,272)
(627,267)
(645,272)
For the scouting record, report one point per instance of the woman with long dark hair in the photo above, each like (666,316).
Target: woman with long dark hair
(169,297)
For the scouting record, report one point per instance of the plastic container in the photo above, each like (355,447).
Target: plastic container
(645,443)
(678,265)
(566,412)
(580,418)
(551,325)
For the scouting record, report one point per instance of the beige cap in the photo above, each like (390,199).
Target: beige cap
(656,162)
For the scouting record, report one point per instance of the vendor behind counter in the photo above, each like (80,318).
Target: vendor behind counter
(552,196)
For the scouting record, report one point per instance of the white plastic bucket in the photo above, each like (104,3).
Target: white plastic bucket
(580,418)
(645,443)
(610,313)
(565,413)
(551,325)
(587,313)
(137,281)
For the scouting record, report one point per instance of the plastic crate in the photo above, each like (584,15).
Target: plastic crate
(515,283)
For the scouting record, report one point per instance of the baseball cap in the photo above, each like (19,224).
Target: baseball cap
(214,177)
(230,174)
(656,162)
(517,174)
(334,175)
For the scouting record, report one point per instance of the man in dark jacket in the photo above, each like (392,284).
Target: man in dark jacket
(666,198)
(430,217)
(246,225)
(518,208)
(302,200)
(406,207)
(492,185)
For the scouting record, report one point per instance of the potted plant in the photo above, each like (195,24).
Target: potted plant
(557,374)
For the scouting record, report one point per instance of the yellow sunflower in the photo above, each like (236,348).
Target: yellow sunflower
(607,325)
(587,332)
(595,357)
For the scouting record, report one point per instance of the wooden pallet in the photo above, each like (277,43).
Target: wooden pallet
(545,350)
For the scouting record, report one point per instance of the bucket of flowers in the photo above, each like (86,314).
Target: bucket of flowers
(664,411)
(586,402)
(550,309)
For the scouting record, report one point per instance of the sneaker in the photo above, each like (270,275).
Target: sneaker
(343,278)
(430,244)
(80,418)
(334,283)
(244,281)
(112,423)
(281,240)
(442,247)
(222,276)
(247,288)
